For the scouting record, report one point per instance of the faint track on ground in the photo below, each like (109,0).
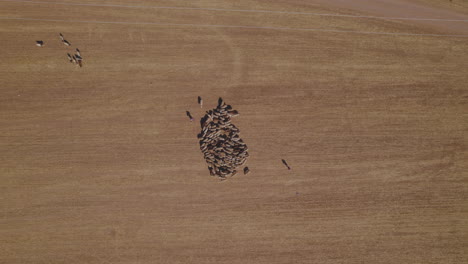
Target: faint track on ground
(239,10)
(235,26)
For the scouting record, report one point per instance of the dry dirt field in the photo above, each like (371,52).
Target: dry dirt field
(100,164)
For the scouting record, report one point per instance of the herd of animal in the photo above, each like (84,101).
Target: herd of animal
(75,58)
(220,143)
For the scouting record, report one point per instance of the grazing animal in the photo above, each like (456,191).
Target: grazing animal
(66,42)
(61,37)
(189,115)
(229,150)
(233,113)
(70,58)
(233,173)
(39,43)
(78,52)
(200,101)
(286,164)
(242,162)
(205,121)
(211,171)
(246,170)
(74,59)
(220,102)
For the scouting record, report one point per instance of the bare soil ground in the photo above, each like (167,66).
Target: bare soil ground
(101,165)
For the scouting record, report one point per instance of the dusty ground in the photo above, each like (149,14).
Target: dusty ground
(101,165)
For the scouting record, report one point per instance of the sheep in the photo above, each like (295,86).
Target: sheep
(200,101)
(70,58)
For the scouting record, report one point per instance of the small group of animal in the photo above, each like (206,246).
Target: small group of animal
(75,59)
(65,42)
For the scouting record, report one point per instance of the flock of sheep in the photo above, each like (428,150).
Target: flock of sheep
(223,149)
(220,143)
(75,59)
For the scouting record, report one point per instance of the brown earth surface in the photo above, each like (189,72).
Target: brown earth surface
(100,164)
